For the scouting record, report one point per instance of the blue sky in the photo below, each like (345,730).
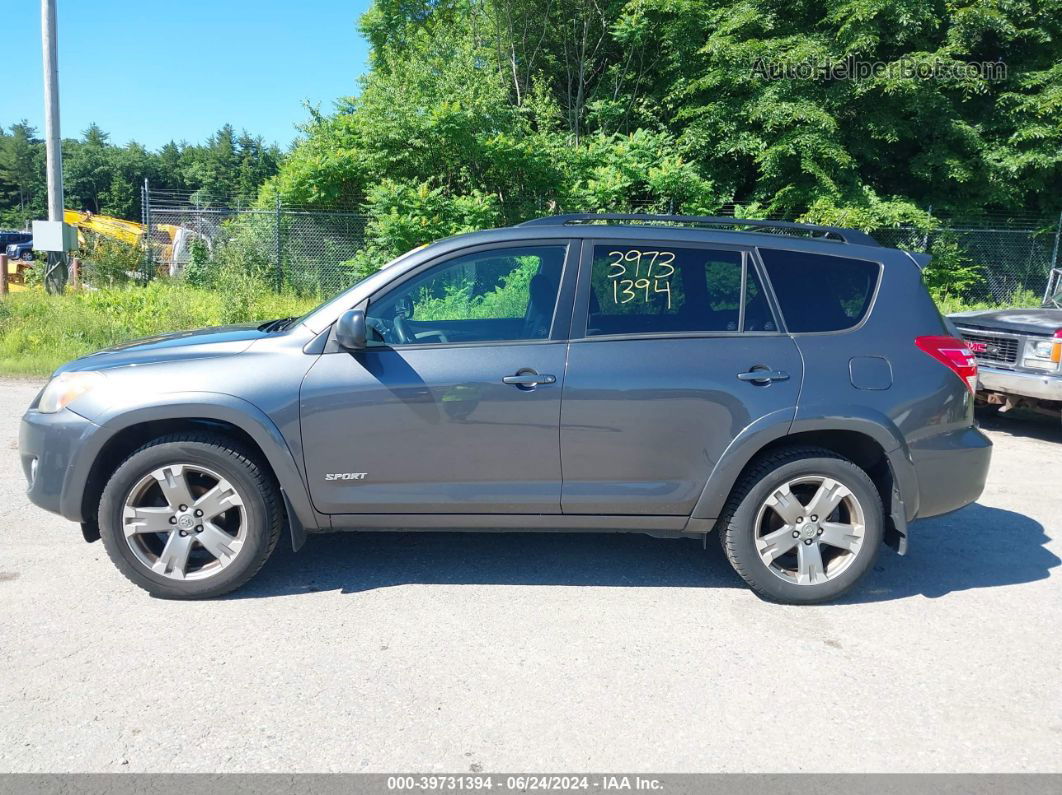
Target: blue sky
(153,71)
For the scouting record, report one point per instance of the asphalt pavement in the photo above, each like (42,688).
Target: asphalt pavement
(535,652)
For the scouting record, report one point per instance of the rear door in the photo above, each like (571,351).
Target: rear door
(675,349)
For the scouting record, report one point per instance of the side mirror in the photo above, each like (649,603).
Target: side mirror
(350,330)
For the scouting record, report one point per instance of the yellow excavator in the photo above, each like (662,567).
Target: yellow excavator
(165,238)
(129,232)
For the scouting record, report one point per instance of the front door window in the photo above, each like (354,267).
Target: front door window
(504,294)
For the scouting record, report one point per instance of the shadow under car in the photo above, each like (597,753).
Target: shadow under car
(976,547)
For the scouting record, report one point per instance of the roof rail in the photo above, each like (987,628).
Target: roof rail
(836,233)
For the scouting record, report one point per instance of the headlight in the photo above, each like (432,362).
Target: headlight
(65,388)
(1043,354)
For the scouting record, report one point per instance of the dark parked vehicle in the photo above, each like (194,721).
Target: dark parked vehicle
(7,237)
(22,251)
(17,245)
(792,387)
(1019,354)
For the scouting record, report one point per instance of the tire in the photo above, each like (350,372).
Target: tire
(167,553)
(26,256)
(755,510)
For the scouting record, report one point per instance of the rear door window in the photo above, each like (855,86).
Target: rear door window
(662,289)
(818,292)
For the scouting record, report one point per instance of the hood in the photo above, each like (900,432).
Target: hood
(198,344)
(1022,321)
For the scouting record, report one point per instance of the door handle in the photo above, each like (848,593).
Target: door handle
(763,376)
(529,379)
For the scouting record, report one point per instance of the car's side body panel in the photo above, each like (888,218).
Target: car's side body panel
(432,428)
(70,464)
(924,410)
(647,416)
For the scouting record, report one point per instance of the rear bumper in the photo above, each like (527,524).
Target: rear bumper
(1042,386)
(55,450)
(951,469)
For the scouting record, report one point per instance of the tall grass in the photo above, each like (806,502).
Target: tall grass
(1021,298)
(38,332)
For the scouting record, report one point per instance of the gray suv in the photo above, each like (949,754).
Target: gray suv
(791,387)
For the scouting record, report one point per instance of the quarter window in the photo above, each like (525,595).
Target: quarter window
(652,289)
(818,292)
(503,294)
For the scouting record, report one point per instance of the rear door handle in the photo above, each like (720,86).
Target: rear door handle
(529,379)
(763,376)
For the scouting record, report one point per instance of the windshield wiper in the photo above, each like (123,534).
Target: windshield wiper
(277,325)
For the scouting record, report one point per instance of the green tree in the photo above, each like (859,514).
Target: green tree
(21,175)
(672,104)
(88,170)
(103,178)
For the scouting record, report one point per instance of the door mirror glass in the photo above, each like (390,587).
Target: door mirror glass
(350,330)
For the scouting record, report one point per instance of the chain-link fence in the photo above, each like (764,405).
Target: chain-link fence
(310,250)
(993,264)
(306,250)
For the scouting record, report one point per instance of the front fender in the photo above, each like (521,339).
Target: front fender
(220,407)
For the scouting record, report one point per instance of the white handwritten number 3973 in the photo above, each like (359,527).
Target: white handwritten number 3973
(628,286)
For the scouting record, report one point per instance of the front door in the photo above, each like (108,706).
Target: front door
(455,405)
(675,349)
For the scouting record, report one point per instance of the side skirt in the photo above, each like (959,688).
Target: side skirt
(661,526)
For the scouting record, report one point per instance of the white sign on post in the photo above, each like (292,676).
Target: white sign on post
(54,236)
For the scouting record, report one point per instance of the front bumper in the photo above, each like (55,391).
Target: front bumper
(1042,386)
(56,452)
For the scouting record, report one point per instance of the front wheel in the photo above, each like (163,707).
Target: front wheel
(802,526)
(190,516)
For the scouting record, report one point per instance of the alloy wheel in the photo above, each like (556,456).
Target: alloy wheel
(184,521)
(809,529)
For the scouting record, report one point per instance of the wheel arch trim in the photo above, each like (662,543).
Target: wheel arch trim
(780,425)
(197,406)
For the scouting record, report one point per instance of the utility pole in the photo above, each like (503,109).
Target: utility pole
(55,275)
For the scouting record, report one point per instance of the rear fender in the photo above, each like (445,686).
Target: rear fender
(879,427)
(739,452)
(774,427)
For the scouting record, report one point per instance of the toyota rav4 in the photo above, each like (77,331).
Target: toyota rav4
(790,387)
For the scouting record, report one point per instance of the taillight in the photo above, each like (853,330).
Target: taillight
(953,353)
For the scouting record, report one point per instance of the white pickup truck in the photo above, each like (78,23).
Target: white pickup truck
(1019,357)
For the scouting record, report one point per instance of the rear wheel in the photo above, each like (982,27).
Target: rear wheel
(190,517)
(803,525)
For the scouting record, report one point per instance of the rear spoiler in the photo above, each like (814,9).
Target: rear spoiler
(919,258)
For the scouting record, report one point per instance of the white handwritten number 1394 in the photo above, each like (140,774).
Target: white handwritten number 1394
(627,287)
